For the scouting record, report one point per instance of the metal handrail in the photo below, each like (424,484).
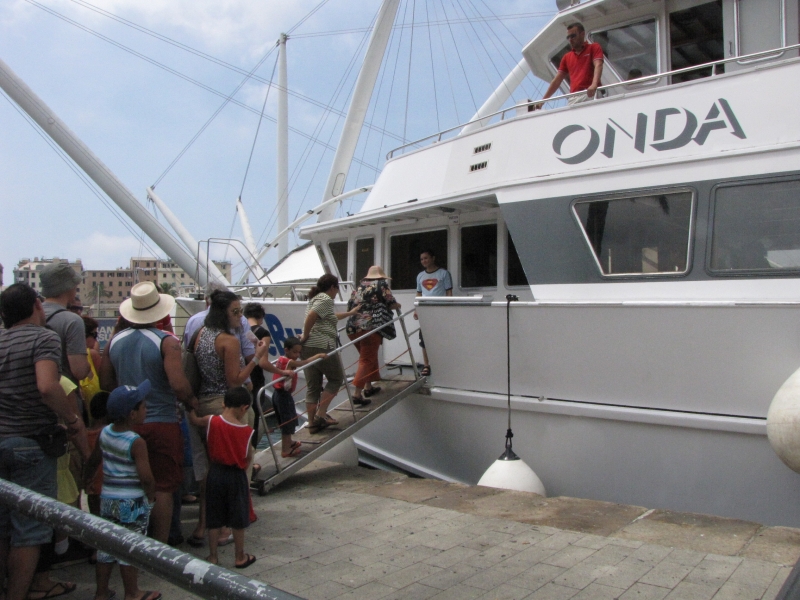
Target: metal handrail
(638,80)
(179,568)
(261,394)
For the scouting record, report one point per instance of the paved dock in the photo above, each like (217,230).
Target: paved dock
(354,533)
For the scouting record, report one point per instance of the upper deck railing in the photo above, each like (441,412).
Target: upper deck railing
(448,133)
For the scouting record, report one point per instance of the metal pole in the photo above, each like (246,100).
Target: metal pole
(282,141)
(402,322)
(58,131)
(181,569)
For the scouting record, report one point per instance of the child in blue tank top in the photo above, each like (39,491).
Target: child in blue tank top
(128,491)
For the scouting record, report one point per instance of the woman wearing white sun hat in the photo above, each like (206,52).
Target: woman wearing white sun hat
(145,352)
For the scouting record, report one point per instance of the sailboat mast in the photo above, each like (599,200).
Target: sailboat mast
(186,237)
(282,178)
(79,152)
(359,105)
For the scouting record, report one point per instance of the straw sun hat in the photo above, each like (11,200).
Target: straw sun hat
(146,305)
(376,272)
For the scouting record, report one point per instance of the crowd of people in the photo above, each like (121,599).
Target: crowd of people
(121,425)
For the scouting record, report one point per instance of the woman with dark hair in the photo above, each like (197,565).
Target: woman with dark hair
(219,359)
(377,302)
(219,354)
(319,337)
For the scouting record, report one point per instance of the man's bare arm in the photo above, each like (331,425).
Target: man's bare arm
(108,377)
(598,72)
(48,383)
(79,365)
(557,80)
(171,351)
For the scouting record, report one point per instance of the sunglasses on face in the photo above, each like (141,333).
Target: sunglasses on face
(237,312)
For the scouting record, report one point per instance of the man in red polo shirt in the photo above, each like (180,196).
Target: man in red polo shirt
(583,64)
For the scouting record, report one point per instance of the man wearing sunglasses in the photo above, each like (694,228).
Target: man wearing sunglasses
(583,64)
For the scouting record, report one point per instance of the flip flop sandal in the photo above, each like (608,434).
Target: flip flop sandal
(249,560)
(372,392)
(195,541)
(66,588)
(150,596)
(292,453)
(297,444)
(319,425)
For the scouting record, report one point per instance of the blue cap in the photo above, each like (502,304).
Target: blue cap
(123,399)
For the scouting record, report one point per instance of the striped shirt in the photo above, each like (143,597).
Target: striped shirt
(22,411)
(323,333)
(120,479)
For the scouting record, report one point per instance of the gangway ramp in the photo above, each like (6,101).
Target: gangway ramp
(275,468)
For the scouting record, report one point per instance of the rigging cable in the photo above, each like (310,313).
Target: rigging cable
(258,128)
(227,97)
(433,70)
(408,76)
(185,47)
(75,169)
(486,53)
(447,69)
(479,55)
(536,87)
(461,62)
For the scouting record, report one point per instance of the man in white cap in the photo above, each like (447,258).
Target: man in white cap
(59,284)
(145,352)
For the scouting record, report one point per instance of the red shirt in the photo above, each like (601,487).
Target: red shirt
(228,443)
(580,66)
(283,363)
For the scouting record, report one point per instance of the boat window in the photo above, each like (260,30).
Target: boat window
(365,257)
(479,256)
(515,274)
(759,25)
(756,227)
(695,38)
(631,50)
(639,235)
(405,250)
(339,254)
(556,58)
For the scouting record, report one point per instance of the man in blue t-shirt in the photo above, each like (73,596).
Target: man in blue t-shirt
(433,281)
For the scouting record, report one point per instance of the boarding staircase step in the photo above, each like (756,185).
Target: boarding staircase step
(275,468)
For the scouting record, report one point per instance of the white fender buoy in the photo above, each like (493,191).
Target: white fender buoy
(512,474)
(783,422)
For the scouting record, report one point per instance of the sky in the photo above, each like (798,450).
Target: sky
(137,81)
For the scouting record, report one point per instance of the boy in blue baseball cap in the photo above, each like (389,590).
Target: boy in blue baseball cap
(128,485)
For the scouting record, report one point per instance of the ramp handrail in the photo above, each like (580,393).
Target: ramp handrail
(338,351)
(179,568)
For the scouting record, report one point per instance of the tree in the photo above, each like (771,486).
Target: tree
(167,288)
(99,291)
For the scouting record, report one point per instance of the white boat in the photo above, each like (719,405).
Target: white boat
(651,237)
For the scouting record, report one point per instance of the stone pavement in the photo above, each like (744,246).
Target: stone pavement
(354,533)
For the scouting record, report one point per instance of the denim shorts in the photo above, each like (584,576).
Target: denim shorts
(23,462)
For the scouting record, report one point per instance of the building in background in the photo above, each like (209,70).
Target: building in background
(28,271)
